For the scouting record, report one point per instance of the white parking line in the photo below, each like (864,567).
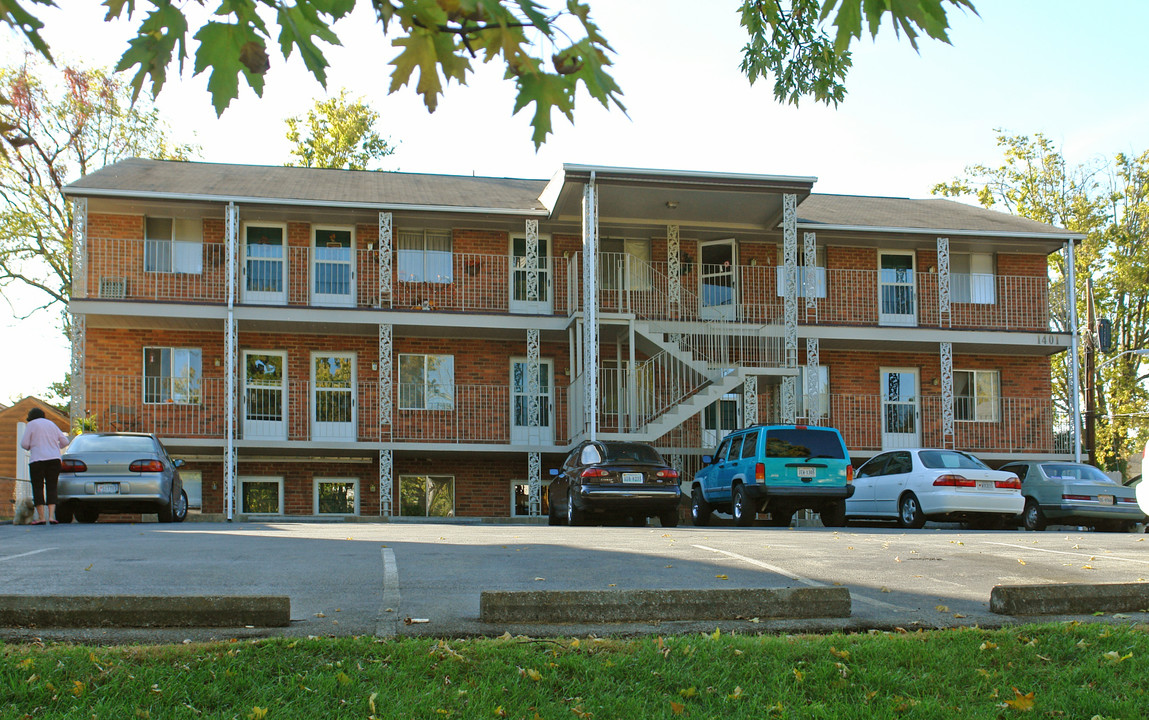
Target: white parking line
(1092,556)
(804,580)
(30,552)
(387,620)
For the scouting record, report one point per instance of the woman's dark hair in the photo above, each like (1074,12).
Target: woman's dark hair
(35,414)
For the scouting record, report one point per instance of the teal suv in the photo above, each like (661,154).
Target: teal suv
(775,469)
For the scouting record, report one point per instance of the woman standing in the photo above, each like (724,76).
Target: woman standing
(43,441)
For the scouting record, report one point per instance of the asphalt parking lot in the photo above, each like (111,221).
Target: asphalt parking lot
(395,579)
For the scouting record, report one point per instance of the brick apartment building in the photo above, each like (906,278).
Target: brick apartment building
(327,342)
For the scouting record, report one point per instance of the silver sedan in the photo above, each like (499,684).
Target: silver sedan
(119,473)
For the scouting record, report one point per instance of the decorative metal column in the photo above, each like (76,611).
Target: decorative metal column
(79,322)
(809,275)
(674,264)
(750,400)
(1074,348)
(944,280)
(385,242)
(590,306)
(534,459)
(790,270)
(813,407)
(231,352)
(532,260)
(947,361)
(386,342)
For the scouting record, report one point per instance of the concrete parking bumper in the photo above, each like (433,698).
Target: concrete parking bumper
(597,606)
(143,611)
(1069,599)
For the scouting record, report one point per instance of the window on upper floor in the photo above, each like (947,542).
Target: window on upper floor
(625,264)
(426,382)
(815,275)
(172,375)
(977,395)
(972,278)
(173,245)
(424,256)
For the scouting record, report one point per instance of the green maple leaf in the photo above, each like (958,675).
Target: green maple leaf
(221,45)
(547,92)
(298,25)
(160,33)
(428,51)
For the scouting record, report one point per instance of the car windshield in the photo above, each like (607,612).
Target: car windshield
(949,459)
(89,442)
(631,452)
(1068,471)
(803,443)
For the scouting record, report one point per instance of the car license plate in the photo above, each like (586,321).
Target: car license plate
(107,488)
(985,485)
(1105,499)
(807,472)
(632,477)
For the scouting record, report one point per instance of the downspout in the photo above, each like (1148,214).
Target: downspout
(1074,378)
(590,310)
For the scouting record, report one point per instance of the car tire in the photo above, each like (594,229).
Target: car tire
(668,518)
(743,508)
(910,513)
(574,515)
(1032,517)
(834,514)
(180,509)
(86,515)
(700,510)
(63,514)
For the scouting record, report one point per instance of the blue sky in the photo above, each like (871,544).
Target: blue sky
(1071,70)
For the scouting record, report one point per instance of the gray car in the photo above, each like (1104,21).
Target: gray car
(1068,493)
(119,473)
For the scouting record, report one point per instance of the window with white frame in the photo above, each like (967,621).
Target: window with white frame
(521,497)
(261,495)
(193,486)
(336,496)
(173,375)
(426,496)
(816,275)
(625,263)
(426,382)
(977,395)
(972,278)
(821,391)
(173,245)
(424,256)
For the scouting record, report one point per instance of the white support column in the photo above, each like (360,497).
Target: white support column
(231,353)
(674,264)
(812,389)
(944,281)
(790,306)
(386,342)
(80,247)
(1074,359)
(77,409)
(947,363)
(385,243)
(534,387)
(532,260)
(750,400)
(810,276)
(590,306)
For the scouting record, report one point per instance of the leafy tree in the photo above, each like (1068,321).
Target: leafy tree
(548,54)
(337,133)
(65,123)
(1108,203)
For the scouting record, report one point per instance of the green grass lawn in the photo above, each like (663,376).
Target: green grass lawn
(1074,670)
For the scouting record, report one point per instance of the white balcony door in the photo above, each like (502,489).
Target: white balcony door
(719,419)
(333,396)
(521,432)
(264,395)
(896,289)
(901,412)
(265,264)
(521,273)
(718,292)
(333,266)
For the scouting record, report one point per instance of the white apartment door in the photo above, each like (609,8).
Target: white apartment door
(333,267)
(333,396)
(896,289)
(265,264)
(521,431)
(900,408)
(720,418)
(522,275)
(718,290)
(264,395)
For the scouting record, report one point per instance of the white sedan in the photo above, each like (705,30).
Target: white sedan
(915,485)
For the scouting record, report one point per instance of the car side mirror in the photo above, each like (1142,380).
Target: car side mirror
(706,459)
(178,463)
(554,472)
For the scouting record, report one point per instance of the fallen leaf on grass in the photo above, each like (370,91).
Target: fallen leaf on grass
(736,695)
(688,692)
(1023,703)
(1116,657)
(257,713)
(987,645)
(676,708)
(842,654)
